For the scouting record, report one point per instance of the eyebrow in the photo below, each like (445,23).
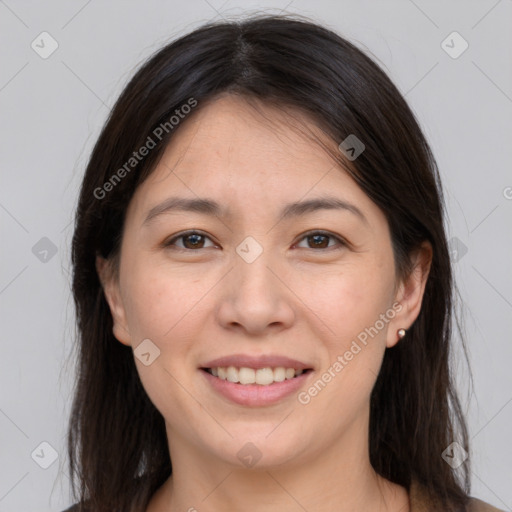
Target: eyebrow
(210,207)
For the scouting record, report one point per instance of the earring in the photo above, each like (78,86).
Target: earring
(401,333)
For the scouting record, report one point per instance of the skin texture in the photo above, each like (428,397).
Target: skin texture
(295,299)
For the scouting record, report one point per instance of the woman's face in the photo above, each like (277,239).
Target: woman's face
(254,282)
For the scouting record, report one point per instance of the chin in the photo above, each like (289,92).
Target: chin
(260,450)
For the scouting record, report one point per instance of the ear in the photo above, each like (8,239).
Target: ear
(410,293)
(112,293)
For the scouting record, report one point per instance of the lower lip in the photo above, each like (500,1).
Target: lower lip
(256,395)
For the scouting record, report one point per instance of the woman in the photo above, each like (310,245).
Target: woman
(263,288)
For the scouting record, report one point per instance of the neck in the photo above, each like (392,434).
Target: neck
(341,479)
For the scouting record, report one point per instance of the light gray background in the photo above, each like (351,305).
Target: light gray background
(52,111)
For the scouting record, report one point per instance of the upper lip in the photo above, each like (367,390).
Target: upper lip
(262,361)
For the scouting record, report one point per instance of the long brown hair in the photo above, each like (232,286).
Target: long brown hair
(117,440)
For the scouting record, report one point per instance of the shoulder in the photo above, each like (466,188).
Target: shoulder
(420,501)
(476,505)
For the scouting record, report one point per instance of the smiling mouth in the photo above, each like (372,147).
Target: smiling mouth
(261,376)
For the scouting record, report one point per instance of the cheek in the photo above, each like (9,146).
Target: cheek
(158,302)
(348,300)
(351,306)
(165,309)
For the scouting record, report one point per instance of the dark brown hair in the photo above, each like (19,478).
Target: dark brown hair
(117,440)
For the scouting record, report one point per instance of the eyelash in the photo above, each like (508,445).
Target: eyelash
(169,243)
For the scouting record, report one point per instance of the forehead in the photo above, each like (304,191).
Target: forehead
(248,157)
(256,137)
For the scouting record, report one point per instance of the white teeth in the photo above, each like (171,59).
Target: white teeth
(246,376)
(231,374)
(280,374)
(262,376)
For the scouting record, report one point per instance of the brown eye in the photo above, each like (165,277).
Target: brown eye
(191,240)
(320,240)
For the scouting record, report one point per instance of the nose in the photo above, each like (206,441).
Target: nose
(256,297)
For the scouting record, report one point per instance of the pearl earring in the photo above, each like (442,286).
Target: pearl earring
(401,333)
